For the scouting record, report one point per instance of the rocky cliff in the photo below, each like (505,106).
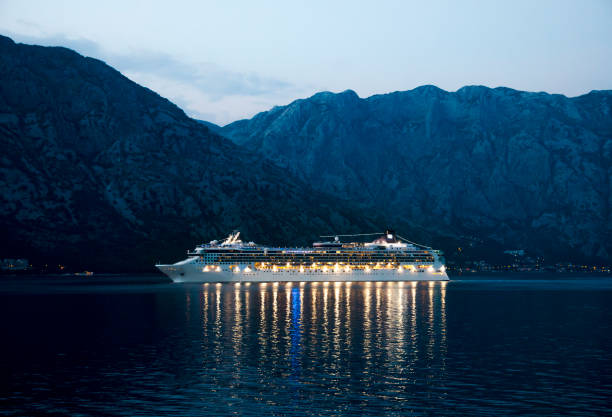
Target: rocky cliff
(99,172)
(517,169)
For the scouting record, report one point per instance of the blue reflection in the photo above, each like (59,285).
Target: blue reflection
(296,335)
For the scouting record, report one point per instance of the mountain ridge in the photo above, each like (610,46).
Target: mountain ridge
(101,173)
(94,160)
(550,153)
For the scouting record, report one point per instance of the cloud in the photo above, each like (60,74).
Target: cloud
(204,90)
(206,76)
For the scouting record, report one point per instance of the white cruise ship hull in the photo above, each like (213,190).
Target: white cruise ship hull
(186,271)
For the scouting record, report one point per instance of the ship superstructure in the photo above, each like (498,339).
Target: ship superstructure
(388,258)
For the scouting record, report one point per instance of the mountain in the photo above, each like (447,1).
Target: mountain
(488,166)
(98,172)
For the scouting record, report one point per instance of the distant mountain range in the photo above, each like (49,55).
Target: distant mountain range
(523,170)
(98,172)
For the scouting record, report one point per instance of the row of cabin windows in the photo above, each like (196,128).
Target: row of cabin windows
(319,260)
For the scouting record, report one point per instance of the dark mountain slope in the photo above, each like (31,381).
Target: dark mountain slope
(528,170)
(99,172)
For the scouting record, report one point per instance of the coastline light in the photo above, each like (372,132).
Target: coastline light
(218,269)
(302,269)
(400,269)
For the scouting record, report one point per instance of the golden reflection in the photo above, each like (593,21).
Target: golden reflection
(301,304)
(205,307)
(413,321)
(378,300)
(400,310)
(247,306)
(274,301)
(313,293)
(263,339)
(430,321)
(367,324)
(443,349)
(336,325)
(218,307)
(217,332)
(347,306)
(394,331)
(288,288)
(325,313)
(387,323)
(237,330)
(275,329)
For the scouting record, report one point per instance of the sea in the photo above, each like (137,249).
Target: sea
(477,345)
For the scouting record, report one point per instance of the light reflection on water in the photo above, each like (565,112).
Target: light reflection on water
(367,348)
(316,333)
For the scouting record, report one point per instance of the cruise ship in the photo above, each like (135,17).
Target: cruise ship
(389,257)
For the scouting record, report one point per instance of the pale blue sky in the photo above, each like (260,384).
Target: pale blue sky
(227,60)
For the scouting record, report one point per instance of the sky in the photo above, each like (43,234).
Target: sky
(222,61)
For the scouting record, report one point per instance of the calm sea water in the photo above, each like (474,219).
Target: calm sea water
(467,347)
